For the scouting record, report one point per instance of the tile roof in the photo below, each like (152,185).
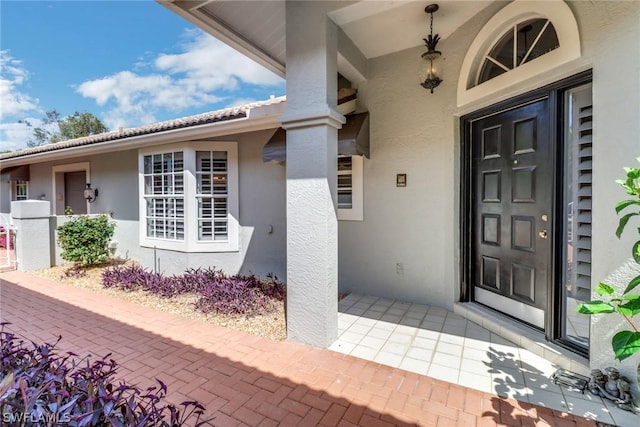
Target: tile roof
(230,113)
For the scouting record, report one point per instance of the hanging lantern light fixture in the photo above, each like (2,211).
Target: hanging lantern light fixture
(431,62)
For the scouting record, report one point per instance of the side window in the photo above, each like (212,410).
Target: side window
(20,190)
(578,159)
(164,195)
(212,194)
(350,188)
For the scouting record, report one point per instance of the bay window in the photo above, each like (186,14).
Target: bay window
(189,199)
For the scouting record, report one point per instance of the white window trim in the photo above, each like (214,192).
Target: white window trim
(356,212)
(58,194)
(191,242)
(549,67)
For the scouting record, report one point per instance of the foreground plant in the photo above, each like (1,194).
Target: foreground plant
(627,342)
(39,387)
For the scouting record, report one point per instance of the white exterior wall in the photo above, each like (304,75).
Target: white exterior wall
(610,34)
(413,132)
(417,133)
(262,210)
(262,205)
(115,176)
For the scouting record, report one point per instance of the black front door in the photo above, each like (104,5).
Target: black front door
(511,204)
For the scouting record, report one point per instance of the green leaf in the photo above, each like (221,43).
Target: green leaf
(625,203)
(625,344)
(604,289)
(632,284)
(630,308)
(636,251)
(632,173)
(623,223)
(595,307)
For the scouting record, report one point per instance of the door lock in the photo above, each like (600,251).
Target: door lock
(543,234)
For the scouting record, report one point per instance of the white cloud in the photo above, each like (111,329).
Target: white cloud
(14,102)
(205,72)
(14,135)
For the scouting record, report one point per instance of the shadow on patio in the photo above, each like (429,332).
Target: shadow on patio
(243,379)
(433,341)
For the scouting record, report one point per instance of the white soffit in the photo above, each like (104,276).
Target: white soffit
(382,27)
(376,27)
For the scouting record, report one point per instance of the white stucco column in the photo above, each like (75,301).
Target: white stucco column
(312,126)
(33,240)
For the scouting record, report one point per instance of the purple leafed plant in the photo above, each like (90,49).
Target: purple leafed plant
(239,294)
(40,387)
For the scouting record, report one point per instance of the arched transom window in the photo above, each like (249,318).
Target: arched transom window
(522,43)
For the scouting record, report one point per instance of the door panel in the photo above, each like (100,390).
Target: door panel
(74,185)
(511,170)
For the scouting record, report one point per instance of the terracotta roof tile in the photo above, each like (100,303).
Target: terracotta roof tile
(230,113)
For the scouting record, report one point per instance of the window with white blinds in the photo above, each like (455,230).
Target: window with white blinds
(582,198)
(578,203)
(350,188)
(20,190)
(212,192)
(345,182)
(189,197)
(164,195)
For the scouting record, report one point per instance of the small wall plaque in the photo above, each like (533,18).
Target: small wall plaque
(401,180)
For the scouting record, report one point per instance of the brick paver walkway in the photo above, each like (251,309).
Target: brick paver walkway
(245,380)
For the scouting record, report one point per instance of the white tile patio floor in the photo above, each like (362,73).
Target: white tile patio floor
(436,342)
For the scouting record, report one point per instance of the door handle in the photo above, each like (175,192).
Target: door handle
(543,234)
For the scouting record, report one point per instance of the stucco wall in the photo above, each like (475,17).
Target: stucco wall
(262,220)
(417,133)
(610,33)
(262,210)
(407,245)
(115,176)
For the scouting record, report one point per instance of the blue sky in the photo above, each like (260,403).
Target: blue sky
(128,62)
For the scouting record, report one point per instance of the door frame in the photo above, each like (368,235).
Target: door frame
(554,92)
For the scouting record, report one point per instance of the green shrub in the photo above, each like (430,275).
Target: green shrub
(84,240)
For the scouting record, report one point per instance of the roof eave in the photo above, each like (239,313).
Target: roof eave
(250,123)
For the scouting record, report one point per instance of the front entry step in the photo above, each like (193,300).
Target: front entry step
(525,336)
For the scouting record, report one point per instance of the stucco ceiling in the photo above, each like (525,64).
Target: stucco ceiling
(376,27)
(383,27)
